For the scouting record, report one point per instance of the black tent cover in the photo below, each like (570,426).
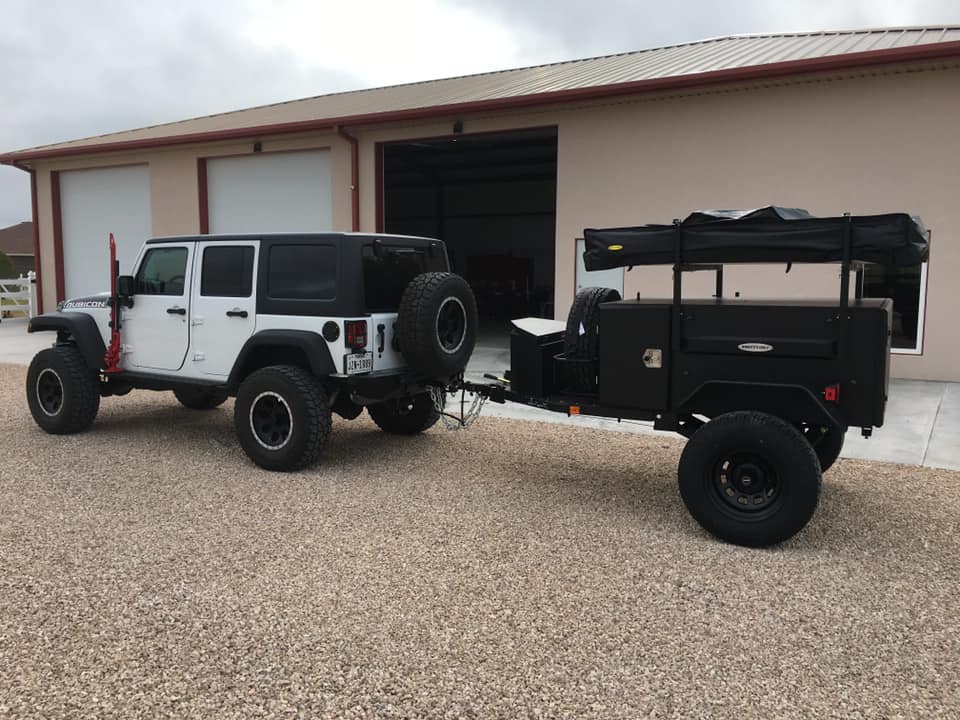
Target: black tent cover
(766,235)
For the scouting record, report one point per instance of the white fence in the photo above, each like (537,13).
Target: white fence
(19,296)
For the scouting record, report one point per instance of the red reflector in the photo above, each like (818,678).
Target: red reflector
(831,393)
(356,333)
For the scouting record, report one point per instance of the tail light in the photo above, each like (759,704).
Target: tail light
(355,332)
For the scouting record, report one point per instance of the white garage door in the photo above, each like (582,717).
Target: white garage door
(274,192)
(93,204)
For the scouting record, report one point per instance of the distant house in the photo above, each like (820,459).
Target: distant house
(16,242)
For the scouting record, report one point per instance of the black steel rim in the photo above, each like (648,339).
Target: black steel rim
(451,324)
(50,392)
(746,482)
(271,421)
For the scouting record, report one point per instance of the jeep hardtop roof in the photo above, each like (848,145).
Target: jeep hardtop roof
(229,237)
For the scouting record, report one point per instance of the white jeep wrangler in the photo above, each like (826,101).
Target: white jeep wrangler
(296,326)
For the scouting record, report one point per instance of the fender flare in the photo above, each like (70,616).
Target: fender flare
(789,402)
(312,344)
(79,326)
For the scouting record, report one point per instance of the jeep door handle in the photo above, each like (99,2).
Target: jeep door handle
(237,313)
(176,311)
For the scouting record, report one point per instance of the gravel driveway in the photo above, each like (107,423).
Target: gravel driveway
(514,570)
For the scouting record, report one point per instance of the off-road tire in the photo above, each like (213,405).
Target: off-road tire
(827,445)
(581,339)
(291,390)
(740,453)
(405,416)
(201,398)
(428,345)
(73,407)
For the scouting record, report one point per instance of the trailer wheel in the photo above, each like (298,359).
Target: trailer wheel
(437,324)
(827,443)
(581,340)
(750,478)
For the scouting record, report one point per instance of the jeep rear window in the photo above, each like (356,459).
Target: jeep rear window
(302,272)
(387,274)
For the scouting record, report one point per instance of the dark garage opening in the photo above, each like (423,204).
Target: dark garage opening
(492,200)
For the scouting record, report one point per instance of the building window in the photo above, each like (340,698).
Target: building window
(227,272)
(302,272)
(162,272)
(907,287)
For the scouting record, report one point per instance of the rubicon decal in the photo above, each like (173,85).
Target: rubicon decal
(86,304)
(755,347)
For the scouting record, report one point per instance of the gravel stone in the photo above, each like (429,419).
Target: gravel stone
(514,570)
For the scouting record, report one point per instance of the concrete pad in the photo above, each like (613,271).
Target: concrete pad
(17,345)
(943,450)
(908,424)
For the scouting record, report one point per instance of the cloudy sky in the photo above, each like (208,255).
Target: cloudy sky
(74,68)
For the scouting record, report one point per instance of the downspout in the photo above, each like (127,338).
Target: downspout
(354,174)
(36,232)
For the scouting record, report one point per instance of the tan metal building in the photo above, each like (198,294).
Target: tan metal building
(509,167)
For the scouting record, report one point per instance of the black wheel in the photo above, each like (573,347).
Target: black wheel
(750,478)
(405,416)
(827,442)
(282,417)
(62,392)
(581,340)
(437,324)
(201,398)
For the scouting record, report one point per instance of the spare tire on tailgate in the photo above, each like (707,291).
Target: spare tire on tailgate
(581,340)
(437,324)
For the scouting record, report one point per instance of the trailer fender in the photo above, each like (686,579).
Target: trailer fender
(79,328)
(789,402)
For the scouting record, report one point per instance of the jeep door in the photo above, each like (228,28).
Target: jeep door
(155,330)
(224,305)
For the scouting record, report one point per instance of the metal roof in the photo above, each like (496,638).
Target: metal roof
(715,60)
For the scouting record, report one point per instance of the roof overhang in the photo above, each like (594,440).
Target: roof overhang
(849,61)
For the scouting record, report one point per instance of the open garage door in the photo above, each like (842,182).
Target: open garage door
(492,200)
(270,192)
(94,203)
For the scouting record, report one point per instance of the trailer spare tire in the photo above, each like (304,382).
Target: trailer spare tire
(581,340)
(437,324)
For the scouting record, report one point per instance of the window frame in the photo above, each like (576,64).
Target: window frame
(252,286)
(141,267)
(917,349)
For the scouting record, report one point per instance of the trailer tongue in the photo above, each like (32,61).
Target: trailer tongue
(765,391)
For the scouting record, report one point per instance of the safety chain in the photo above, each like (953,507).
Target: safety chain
(470,404)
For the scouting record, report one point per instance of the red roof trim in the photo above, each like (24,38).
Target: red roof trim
(931,51)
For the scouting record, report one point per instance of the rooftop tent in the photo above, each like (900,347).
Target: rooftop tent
(764,235)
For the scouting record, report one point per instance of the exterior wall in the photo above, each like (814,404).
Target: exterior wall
(875,142)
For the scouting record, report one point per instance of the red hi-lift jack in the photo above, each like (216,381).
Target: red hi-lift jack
(112,359)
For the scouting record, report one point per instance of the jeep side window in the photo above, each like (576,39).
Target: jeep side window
(302,272)
(162,272)
(227,271)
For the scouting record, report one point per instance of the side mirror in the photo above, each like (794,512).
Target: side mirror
(125,286)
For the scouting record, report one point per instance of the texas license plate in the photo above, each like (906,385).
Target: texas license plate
(359,363)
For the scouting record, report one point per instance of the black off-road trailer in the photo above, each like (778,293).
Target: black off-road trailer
(765,391)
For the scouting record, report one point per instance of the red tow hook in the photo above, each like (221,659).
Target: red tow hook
(112,359)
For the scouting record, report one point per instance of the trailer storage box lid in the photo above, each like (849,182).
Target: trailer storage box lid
(764,235)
